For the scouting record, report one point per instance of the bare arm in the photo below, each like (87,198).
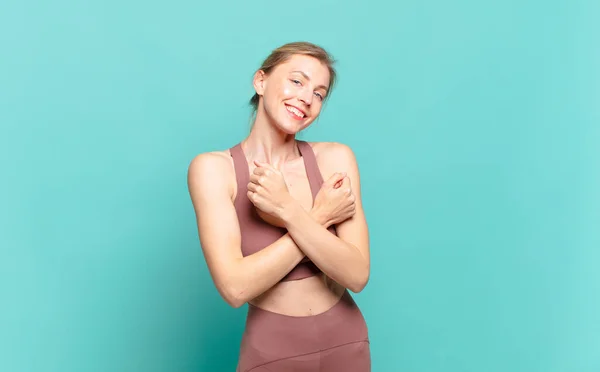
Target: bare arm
(344,258)
(238,279)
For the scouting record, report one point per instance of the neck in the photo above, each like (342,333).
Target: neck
(267,144)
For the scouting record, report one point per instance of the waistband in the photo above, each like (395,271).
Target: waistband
(279,335)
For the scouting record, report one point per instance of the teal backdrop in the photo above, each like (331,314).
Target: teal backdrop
(476,128)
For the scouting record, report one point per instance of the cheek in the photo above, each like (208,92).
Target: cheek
(279,91)
(286,90)
(316,109)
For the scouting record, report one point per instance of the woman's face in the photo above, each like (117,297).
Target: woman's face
(293,93)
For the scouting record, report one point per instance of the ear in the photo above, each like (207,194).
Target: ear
(259,82)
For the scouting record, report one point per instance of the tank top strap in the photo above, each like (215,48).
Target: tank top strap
(240,164)
(315,179)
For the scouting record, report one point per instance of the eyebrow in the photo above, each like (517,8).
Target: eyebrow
(307,78)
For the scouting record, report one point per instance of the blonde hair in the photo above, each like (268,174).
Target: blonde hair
(284,52)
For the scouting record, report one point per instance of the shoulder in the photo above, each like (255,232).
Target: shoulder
(335,157)
(210,159)
(211,170)
(333,152)
(213,163)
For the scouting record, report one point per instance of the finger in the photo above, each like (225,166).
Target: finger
(338,184)
(335,178)
(344,182)
(345,186)
(251,196)
(255,178)
(260,164)
(266,172)
(255,198)
(252,187)
(259,170)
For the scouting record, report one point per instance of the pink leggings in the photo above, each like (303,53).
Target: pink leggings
(335,340)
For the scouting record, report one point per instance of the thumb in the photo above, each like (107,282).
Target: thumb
(345,182)
(264,165)
(335,179)
(261,164)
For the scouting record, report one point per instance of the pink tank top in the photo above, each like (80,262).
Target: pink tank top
(255,232)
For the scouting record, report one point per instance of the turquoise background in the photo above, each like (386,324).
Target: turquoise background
(475,124)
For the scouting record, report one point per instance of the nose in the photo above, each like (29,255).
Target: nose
(306,96)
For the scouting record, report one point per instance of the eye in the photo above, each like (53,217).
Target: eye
(297,82)
(319,95)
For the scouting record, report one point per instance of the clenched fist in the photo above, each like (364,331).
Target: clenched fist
(268,192)
(335,201)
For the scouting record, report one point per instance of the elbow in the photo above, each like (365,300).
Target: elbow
(234,299)
(234,302)
(359,282)
(358,286)
(232,296)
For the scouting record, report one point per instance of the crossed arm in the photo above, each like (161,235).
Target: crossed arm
(344,258)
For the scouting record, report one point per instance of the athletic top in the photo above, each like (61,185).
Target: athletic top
(256,233)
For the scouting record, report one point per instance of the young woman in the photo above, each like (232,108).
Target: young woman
(282,226)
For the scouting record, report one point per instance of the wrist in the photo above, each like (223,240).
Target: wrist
(289,211)
(319,216)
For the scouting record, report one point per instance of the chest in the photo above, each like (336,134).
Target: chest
(260,229)
(298,185)
(297,181)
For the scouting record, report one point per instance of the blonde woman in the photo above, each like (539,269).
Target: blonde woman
(282,226)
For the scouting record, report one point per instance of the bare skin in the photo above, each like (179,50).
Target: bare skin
(280,191)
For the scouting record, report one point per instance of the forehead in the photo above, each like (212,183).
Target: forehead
(315,69)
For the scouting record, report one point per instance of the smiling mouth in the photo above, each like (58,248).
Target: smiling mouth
(297,114)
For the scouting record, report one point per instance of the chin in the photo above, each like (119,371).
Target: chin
(290,129)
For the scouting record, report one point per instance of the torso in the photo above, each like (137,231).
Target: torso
(308,296)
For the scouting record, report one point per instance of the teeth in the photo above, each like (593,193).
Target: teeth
(295,111)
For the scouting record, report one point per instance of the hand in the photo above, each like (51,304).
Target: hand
(268,192)
(335,201)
